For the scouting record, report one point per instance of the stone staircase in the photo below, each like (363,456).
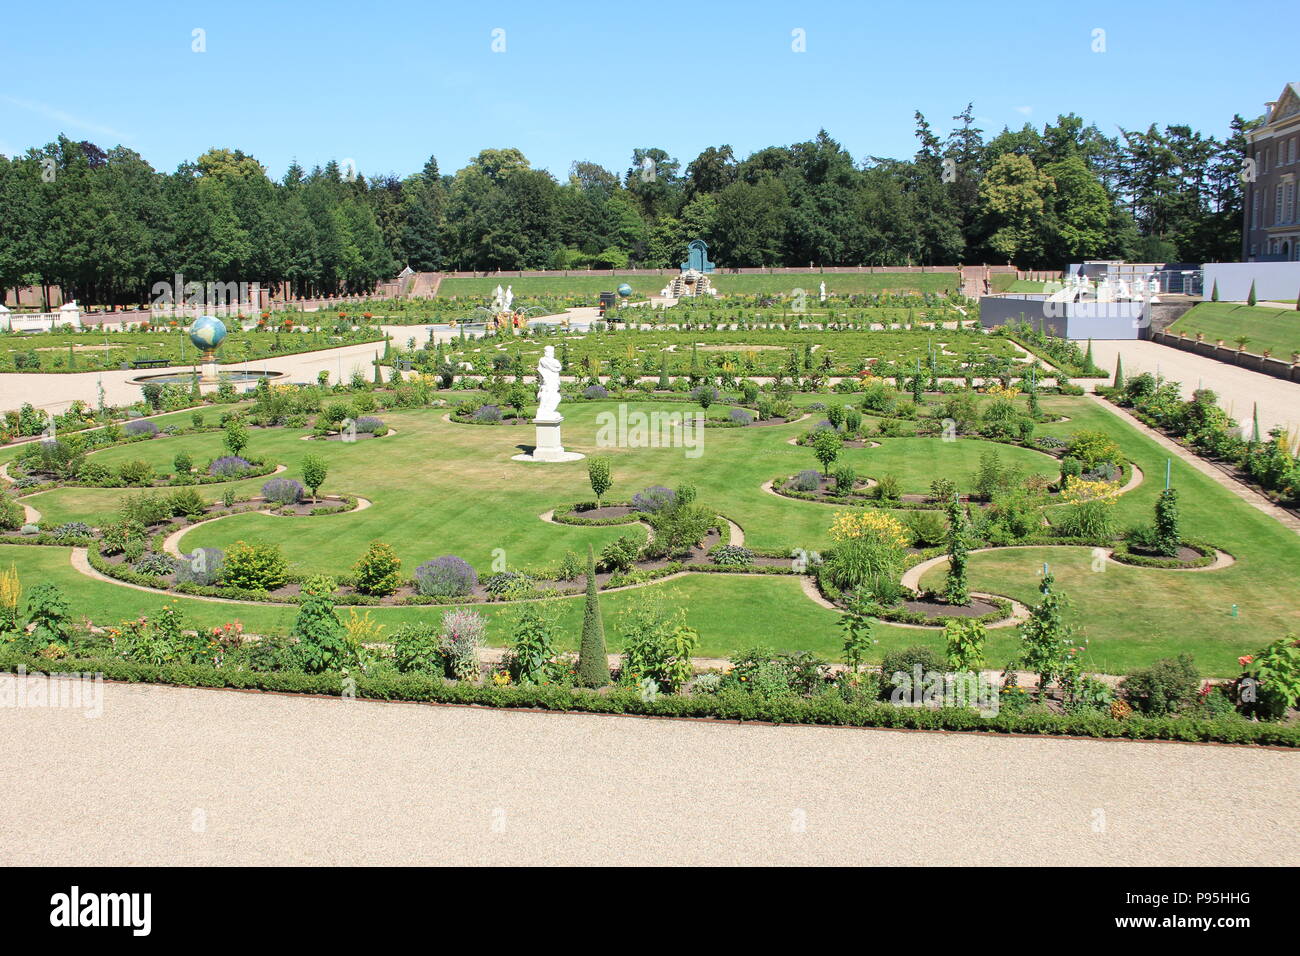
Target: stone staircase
(679,286)
(424,285)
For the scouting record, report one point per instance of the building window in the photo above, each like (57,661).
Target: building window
(1263,161)
(1254,208)
(1290,202)
(1290,150)
(1277,204)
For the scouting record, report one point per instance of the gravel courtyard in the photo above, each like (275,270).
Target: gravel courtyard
(201,777)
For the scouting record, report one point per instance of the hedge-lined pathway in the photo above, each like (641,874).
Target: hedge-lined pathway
(1242,491)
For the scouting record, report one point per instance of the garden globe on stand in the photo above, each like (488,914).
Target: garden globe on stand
(207,333)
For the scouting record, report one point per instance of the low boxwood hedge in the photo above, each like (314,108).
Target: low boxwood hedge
(572,514)
(1124,555)
(827,709)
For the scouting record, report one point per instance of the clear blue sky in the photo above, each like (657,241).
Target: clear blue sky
(388,83)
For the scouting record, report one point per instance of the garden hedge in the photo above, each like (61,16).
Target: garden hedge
(826,709)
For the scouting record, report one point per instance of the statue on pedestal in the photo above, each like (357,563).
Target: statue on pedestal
(548,387)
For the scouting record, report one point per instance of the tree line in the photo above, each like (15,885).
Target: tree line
(105,225)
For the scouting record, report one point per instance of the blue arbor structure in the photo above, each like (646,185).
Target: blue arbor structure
(697,257)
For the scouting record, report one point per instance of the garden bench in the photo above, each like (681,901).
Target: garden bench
(149,363)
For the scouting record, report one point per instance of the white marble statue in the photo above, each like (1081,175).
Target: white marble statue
(498,300)
(509,299)
(548,387)
(823,291)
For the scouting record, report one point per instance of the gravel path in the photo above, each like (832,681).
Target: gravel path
(1238,388)
(171,776)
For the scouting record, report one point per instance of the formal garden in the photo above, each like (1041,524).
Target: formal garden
(761,550)
(92,349)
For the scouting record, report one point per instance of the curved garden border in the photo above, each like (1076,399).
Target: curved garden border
(171,544)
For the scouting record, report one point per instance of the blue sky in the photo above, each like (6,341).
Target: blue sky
(388,83)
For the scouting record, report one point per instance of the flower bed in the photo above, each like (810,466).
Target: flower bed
(574,514)
(1207,554)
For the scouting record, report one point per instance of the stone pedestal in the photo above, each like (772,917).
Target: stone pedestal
(549,447)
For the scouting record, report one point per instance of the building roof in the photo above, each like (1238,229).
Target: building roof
(1286,105)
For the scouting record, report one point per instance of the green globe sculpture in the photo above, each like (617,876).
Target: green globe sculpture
(207,333)
(625,290)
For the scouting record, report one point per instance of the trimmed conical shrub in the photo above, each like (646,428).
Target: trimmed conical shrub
(593,664)
(1119,372)
(1214,292)
(1252,298)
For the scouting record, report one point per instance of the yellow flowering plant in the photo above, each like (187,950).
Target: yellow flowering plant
(878,525)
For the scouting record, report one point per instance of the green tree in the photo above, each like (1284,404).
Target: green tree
(600,475)
(236,436)
(593,660)
(1168,536)
(826,448)
(956,585)
(314,472)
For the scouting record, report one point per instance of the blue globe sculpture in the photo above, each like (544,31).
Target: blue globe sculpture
(207,333)
(625,290)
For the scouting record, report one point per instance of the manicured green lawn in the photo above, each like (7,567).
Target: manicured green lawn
(439,487)
(1276,329)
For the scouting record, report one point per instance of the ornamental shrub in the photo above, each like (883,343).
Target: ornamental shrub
(928,528)
(135,473)
(254,566)
(459,643)
(322,639)
(655,498)
(806,480)
(905,662)
(1166,687)
(732,556)
(1168,538)
(156,564)
(593,664)
(488,413)
(141,427)
(416,649)
(187,503)
(282,491)
(531,656)
(446,576)
(72,529)
(619,555)
(201,566)
(509,585)
(1093,447)
(12,515)
(229,466)
(370,425)
(868,556)
(741,417)
(845,479)
(378,571)
(595,392)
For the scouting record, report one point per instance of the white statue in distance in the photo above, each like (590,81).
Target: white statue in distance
(548,387)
